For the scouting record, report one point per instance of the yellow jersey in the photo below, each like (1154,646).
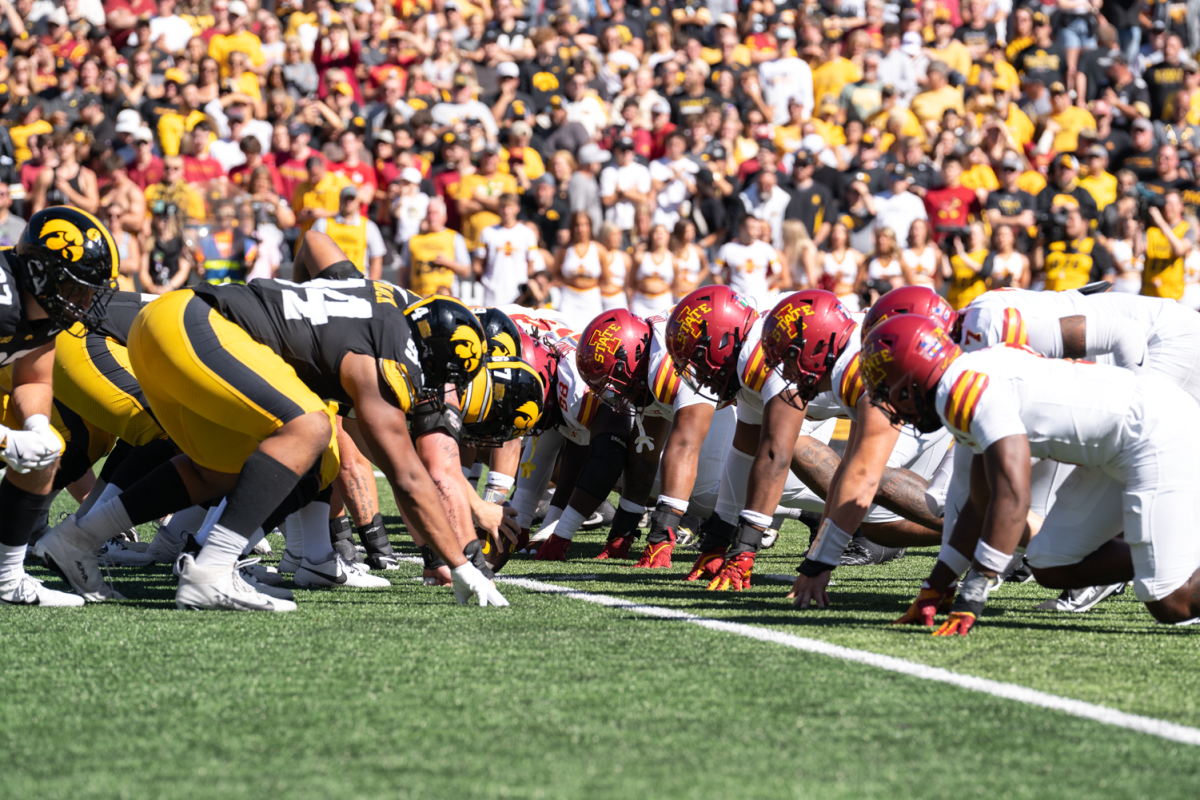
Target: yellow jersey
(1069,265)
(534,166)
(20,137)
(1102,188)
(494,185)
(931,105)
(1163,273)
(425,277)
(955,55)
(352,238)
(1072,120)
(832,76)
(221,46)
(325,194)
(965,283)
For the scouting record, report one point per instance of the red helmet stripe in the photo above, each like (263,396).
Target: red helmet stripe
(755,374)
(852,383)
(964,399)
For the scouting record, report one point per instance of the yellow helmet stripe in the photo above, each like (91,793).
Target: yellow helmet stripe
(112,245)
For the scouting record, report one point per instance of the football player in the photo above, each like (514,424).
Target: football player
(235,376)
(1132,438)
(717,342)
(60,273)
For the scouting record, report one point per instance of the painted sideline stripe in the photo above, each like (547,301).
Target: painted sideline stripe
(1006,691)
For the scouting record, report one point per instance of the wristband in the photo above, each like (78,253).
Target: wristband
(830,543)
(990,557)
(498,480)
(811,569)
(492,494)
(956,561)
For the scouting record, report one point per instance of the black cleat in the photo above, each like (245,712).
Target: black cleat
(862,552)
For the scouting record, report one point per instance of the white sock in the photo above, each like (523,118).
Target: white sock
(552,514)
(569,523)
(223,548)
(12,562)
(103,522)
(92,498)
(210,519)
(293,534)
(258,535)
(314,521)
(190,519)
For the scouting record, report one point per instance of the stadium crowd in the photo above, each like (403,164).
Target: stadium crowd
(659,212)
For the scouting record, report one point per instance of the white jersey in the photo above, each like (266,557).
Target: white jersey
(689,265)
(759,383)
(1073,412)
(648,267)
(506,254)
(750,266)
(668,392)
(670,200)
(581,266)
(576,402)
(879,269)
(633,176)
(539,323)
(924,266)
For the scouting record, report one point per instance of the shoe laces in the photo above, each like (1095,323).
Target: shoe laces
(243,581)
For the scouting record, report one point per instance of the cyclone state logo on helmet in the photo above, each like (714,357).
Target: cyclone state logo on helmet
(614,358)
(803,337)
(705,334)
(902,359)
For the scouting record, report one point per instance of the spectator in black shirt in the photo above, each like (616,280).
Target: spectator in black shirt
(812,202)
(1164,78)
(1091,79)
(691,103)
(708,213)
(1011,205)
(1142,157)
(1116,141)
(1044,60)
(547,211)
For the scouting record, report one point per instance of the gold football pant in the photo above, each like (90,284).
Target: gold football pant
(213,389)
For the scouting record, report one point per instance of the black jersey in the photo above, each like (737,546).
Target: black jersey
(313,325)
(18,336)
(121,311)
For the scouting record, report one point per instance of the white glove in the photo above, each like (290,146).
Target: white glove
(470,581)
(36,447)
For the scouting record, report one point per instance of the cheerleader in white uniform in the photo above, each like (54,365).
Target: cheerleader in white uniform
(581,267)
(612,294)
(1009,268)
(919,261)
(691,264)
(843,268)
(1128,251)
(885,266)
(655,275)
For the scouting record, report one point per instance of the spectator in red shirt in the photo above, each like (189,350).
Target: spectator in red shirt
(661,128)
(200,168)
(360,173)
(952,206)
(455,157)
(391,66)
(145,168)
(342,54)
(241,174)
(291,162)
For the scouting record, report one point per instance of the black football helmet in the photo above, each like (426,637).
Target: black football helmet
(68,260)
(503,335)
(450,343)
(505,400)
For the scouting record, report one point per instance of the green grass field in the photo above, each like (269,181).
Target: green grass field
(401,693)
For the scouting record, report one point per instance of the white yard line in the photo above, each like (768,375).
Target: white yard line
(1006,691)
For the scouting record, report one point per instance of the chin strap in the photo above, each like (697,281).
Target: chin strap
(642,440)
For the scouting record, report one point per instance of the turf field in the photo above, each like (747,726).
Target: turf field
(401,693)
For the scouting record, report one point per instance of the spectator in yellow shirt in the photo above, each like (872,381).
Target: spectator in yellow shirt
(319,197)
(173,190)
(1100,184)
(835,71)
(479,195)
(239,38)
(1066,120)
(1020,127)
(946,48)
(931,104)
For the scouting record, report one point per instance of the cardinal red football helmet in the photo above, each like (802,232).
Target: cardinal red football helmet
(544,361)
(920,300)
(614,358)
(902,361)
(705,334)
(803,336)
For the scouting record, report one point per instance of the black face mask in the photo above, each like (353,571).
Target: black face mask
(929,420)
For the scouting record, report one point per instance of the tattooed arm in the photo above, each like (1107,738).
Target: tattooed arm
(356,479)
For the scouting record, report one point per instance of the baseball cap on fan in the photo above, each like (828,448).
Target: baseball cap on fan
(128,121)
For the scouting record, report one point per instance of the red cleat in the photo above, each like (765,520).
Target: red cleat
(708,564)
(657,555)
(617,548)
(553,549)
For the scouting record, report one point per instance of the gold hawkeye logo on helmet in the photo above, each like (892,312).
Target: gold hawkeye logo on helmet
(526,416)
(467,347)
(58,234)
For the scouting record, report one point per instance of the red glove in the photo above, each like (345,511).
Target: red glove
(708,564)
(617,548)
(927,605)
(553,549)
(657,555)
(960,623)
(734,574)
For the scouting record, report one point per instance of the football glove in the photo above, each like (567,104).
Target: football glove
(968,606)
(708,564)
(658,554)
(734,574)
(34,448)
(928,604)
(469,581)
(553,549)
(960,624)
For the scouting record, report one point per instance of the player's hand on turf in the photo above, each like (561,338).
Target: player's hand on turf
(925,607)
(734,574)
(36,447)
(438,576)
(960,623)
(468,582)
(707,565)
(808,590)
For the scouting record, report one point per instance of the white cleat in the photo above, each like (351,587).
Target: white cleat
(78,566)
(289,563)
(118,552)
(248,573)
(263,547)
(165,548)
(265,575)
(222,589)
(27,591)
(336,572)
